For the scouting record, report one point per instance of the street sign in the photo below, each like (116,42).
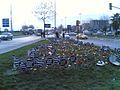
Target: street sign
(47,25)
(5,22)
(69,27)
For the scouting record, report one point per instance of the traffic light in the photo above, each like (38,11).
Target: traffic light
(77,22)
(110,6)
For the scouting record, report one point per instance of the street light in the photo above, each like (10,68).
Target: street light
(65,22)
(11,23)
(55,15)
(80,17)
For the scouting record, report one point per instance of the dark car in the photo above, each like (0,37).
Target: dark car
(6,36)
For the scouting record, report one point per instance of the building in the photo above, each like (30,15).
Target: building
(86,26)
(99,24)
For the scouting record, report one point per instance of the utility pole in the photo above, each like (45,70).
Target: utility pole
(55,15)
(65,22)
(80,27)
(80,17)
(11,22)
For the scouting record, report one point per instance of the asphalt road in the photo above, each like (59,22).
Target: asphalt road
(112,43)
(6,46)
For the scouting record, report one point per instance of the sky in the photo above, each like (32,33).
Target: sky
(68,11)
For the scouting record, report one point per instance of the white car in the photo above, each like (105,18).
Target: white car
(6,36)
(50,36)
(66,35)
(81,36)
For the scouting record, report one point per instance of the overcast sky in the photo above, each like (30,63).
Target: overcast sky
(71,9)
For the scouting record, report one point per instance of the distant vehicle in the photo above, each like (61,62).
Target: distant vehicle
(72,33)
(38,32)
(66,35)
(109,33)
(81,36)
(6,36)
(50,36)
(87,32)
(99,33)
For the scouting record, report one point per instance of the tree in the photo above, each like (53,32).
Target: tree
(104,30)
(60,28)
(116,22)
(44,11)
(31,26)
(105,25)
(6,30)
(104,17)
(24,27)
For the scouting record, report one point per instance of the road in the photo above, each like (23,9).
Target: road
(6,46)
(112,43)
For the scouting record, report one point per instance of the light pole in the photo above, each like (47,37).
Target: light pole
(80,17)
(11,21)
(80,27)
(65,22)
(55,15)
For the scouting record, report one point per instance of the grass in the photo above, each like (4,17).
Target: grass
(76,78)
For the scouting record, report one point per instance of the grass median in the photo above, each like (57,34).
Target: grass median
(93,78)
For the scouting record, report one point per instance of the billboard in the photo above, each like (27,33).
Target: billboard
(47,25)
(5,22)
(69,27)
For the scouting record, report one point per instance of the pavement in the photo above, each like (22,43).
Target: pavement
(112,43)
(6,46)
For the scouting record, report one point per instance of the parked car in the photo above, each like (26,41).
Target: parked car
(6,36)
(81,36)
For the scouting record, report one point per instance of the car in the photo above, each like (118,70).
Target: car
(6,36)
(50,36)
(38,32)
(81,36)
(109,33)
(66,35)
(72,33)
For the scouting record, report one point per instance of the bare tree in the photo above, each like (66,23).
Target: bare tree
(105,25)
(45,10)
(104,17)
